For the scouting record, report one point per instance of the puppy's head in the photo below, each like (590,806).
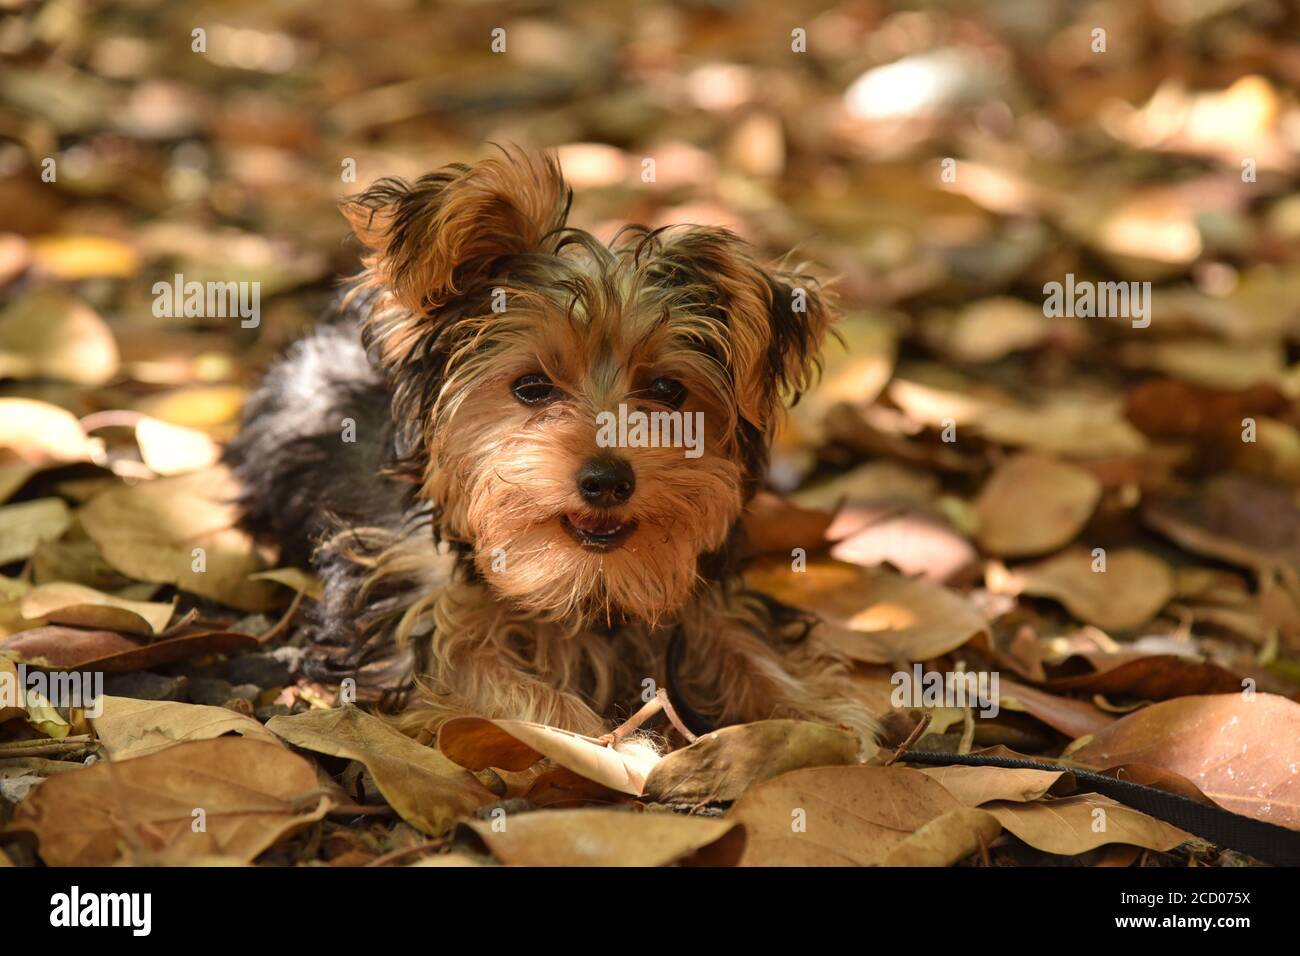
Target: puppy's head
(589,419)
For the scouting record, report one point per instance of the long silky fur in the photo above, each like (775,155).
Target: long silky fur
(441,526)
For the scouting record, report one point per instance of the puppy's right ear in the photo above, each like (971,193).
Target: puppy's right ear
(434,240)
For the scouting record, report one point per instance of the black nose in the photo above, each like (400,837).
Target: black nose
(606,481)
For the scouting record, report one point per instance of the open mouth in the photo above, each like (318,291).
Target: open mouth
(600,532)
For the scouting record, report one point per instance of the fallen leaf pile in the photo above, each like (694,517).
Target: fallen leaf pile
(1093,518)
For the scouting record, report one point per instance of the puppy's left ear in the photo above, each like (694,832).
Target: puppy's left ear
(775,320)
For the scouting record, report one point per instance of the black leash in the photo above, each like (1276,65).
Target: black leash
(695,722)
(1266,842)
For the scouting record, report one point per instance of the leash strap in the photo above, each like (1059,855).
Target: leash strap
(1264,841)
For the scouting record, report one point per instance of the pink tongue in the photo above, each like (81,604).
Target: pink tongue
(601,524)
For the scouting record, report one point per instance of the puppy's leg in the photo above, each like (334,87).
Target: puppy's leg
(732,671)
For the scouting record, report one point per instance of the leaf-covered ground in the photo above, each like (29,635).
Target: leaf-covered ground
(1100,511)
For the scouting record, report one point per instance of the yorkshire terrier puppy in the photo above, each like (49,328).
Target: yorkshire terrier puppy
(436,450)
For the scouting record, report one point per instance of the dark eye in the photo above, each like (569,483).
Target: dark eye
(535,389)
(668,391)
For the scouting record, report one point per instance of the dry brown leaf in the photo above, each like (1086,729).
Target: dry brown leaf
(918,545)
(478,743)
(1243,753)
(854,372)
(1143,676)
(610,838)
(1234,518)
(151,531)
(872,615)
(838,816)
(1074,718)
(38,432)
(989,329)
(9,679)
(29,523)
(1132,590)
(132,728)
(69,648)
(169,449)
(84,256)
(1071,429)
(50,334)
(974,786)
(946,840)
(74,604)
(1032,505)
(209,408)
(429,791)
(721,766)
(1219,365)
(1073,825)
(252,794)
(774,525)
(874,482)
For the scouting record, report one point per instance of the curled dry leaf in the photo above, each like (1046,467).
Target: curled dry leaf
(27,524)
(1073,825)
(1134,587)
(478,743)
(39,433)
(775,525)
(50,334)
(874,482)
(9,708)
(855,370)
(721,766)
(429,791)
(987,330)
(840,816)
(252,794)
(974,786)
(1074,718)
(1241,752)
(64,603)
(1245,521)
(84,256)
(872,615)
(154,531)
(945,840)
(914,543)
(1144,676)
(611,838)
(1032,505)
(1070,428)
(132,728)
(169,449)
(68,648)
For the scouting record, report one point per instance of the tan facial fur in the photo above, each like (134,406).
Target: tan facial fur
(479,283)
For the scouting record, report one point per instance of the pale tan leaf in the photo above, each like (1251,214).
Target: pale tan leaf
(428,790)
(80,606)
(1032,505)
(25,525)
(478,743)
(132,728)
(610,838)
(1074,825)
(722,765)
(252,793)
